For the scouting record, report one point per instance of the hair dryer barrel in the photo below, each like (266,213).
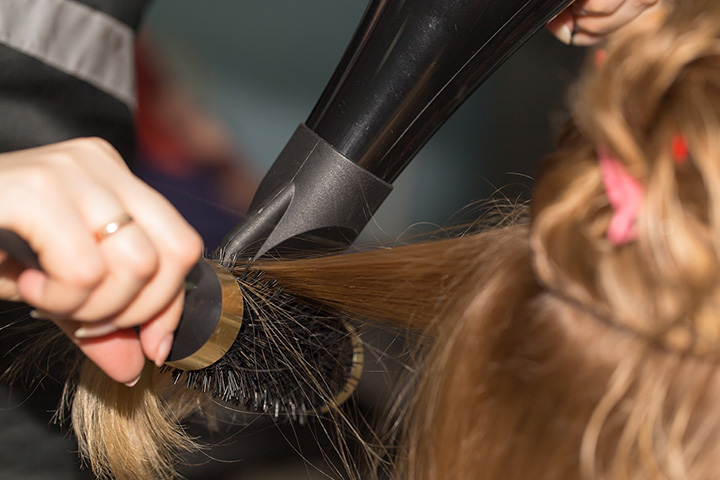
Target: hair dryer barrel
(408,67)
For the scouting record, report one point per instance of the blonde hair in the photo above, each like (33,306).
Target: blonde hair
(130,433)
(551,353)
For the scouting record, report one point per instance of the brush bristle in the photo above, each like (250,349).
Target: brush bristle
(290,358)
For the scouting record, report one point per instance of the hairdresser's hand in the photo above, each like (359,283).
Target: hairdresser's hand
(587,22)
(95,287)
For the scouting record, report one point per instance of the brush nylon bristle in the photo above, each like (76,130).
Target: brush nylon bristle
(290,358)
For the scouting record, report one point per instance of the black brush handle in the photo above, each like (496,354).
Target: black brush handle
(15,246)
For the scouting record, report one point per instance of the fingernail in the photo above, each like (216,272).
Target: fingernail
(37,315)
(94,331)
(163,350)
(133,383)
(565,34)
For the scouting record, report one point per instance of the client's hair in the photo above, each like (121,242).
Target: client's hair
(558,350)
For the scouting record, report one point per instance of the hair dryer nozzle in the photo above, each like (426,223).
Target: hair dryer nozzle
(312,199)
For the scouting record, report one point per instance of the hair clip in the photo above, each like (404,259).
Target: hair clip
(625,194)
(679,149)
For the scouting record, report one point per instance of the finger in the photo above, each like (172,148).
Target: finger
(129,256)
(127,260)
(601,25)
(596,7)
(562,26)
(156,336)
(71,262)
(178,247)
(63,196)
(131,262)
(118,354)
(55,204)
(582,39)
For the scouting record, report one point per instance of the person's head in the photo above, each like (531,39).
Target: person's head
(650,105)
(608,367)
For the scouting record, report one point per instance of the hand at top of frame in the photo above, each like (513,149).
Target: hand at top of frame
(114,253)
(588,22)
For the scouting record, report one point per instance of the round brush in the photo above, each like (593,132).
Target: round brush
(244,341)
(261,348)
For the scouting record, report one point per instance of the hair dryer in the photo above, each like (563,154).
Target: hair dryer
(408,67)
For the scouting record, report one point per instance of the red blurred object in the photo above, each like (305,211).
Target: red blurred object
(187,153)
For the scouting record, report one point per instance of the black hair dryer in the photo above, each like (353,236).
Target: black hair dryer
(408,67)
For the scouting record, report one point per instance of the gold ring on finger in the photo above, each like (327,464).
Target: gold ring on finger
(112,227)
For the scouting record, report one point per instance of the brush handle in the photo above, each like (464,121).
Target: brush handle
(18,248)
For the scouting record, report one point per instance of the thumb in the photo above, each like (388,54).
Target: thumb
(118,354)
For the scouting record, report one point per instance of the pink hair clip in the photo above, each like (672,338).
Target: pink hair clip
(625,195)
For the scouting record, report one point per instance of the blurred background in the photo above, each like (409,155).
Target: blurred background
(222,86)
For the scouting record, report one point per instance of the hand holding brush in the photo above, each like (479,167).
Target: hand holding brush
(241,340)
(114,253)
